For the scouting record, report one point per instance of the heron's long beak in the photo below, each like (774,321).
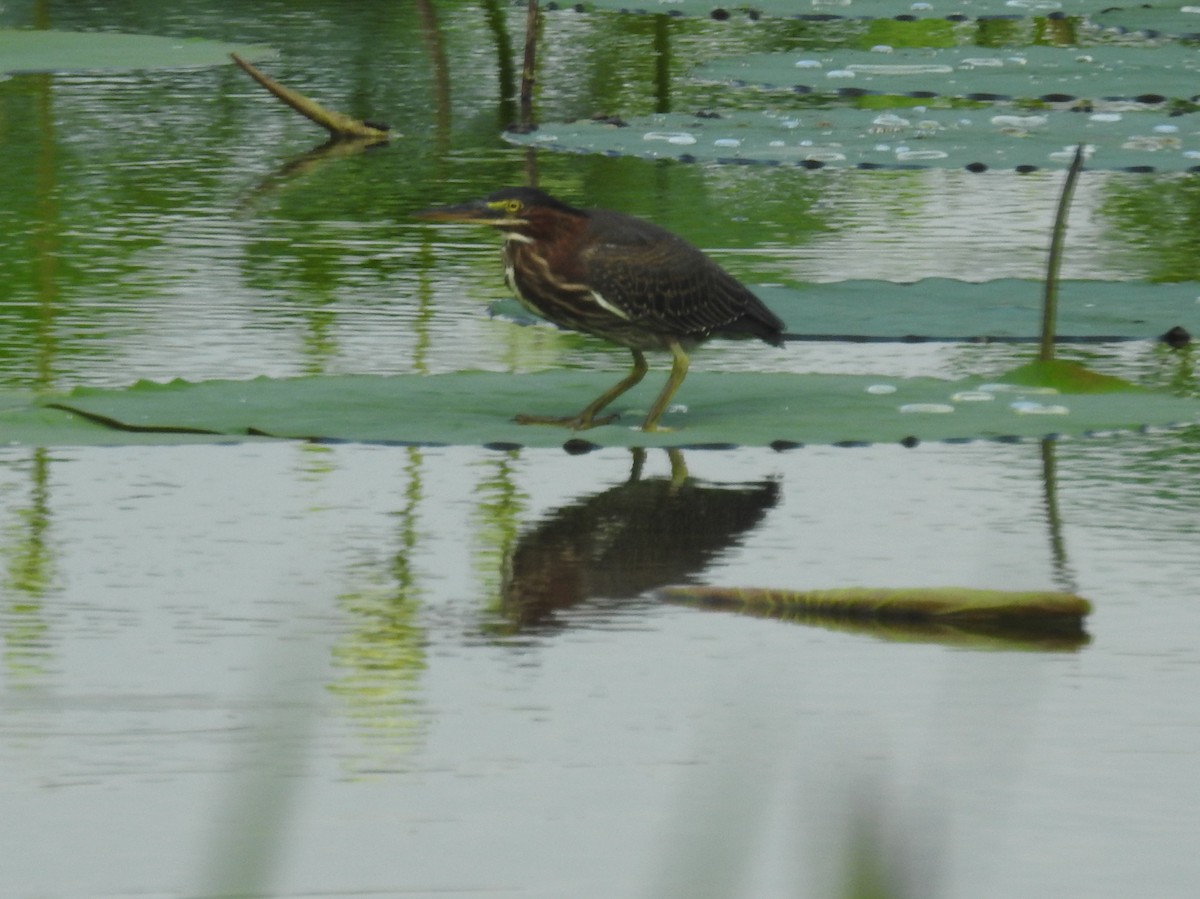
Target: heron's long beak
(475,211)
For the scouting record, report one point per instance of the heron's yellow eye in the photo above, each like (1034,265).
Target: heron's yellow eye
(513,206)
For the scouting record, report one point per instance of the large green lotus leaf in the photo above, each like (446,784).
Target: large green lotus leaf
(1037,72)
(946,309)
(865,9)
(78,51)
(974,139)
(475,408)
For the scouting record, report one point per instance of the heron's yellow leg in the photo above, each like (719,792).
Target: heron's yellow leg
(679,370)
(587,417)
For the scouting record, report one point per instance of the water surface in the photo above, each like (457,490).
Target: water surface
(351,670)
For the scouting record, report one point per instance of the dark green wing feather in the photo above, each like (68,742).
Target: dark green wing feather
(663,283)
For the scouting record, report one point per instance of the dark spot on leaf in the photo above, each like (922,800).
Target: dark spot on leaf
(976,167)
(1177,338)
(720,15)
(577,446)
(910,442)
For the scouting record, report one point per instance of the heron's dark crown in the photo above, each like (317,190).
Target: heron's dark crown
(528,198)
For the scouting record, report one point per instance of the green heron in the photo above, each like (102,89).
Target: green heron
(617,277)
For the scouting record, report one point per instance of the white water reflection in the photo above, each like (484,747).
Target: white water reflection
(958,225)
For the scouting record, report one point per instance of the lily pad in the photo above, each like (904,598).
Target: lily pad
(476,408)
(1175,20)
(24,51)
(864,9)
(1002,310)
(973,139)
(1052,74)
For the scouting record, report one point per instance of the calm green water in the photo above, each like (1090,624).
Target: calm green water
(288,670)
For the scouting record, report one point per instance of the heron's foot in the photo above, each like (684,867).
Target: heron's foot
(579,422)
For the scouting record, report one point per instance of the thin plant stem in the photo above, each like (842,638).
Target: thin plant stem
(1054,261)
(530,65)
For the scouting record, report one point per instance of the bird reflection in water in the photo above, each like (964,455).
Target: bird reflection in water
(611,547)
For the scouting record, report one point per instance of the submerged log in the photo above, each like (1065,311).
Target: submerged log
(336,123)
